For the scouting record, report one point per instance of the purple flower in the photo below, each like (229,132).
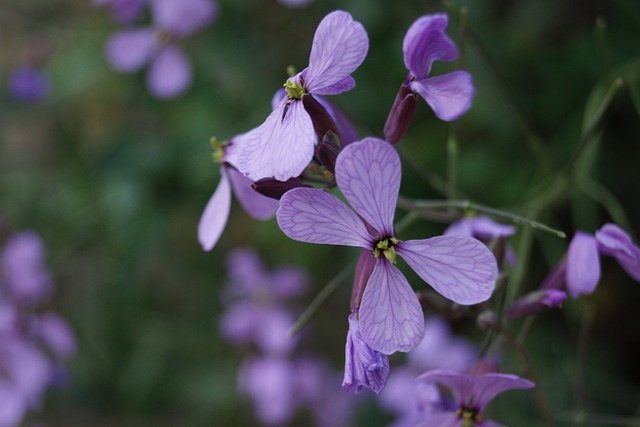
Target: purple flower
(283,145)
(169,72)
(368,175)
(216,213)
(363,366)
(485,229)
(124,11)
(579,271)
(449,95)
(535,302)
(28,84)
(471,394)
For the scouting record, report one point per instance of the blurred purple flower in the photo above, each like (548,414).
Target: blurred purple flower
(216,212)
(579,271)
(363,367)
(471,394)
(283,145)
(368,174)
(295,3)
(28,84)
(123,11)
(485,229)
(23,263)
(169,73)
(535,302)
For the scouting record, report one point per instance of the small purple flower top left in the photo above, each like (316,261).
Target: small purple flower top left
(216,213)
(471,393)
(284,144)
(169,73)
(368,174)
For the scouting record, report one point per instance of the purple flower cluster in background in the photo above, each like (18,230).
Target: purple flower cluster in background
(34,343)
(28,84)
(277,377)
(169,74)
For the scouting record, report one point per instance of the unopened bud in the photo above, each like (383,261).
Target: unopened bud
(274,189)
(322,121)
(364,268)
(328,151)
(536,302)
(401,114)
(487,320)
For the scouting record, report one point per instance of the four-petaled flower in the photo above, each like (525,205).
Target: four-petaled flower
(283,145)
(471,394)
(368,175)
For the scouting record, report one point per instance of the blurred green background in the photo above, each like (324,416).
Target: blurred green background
(115,181)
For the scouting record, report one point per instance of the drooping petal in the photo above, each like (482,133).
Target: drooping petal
(314,216)
(391,318)
(368,173)
(339,47)
(583,265)
(426,42)
(615,242)
(344,85)
(215,214)
(281,147)
(170,73)
(129,50)
(458,383)
(449,95)
(255,204)
(183,17)
(460,268)
(486,387)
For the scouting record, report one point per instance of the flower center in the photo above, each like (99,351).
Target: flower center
(469,416)
(218,149)
(294,90)
(386,247)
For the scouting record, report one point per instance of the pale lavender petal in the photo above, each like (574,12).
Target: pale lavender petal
(28,368)
(129,50)
(277,98)
(368,173)
(255,204)
(281,147)
(13,405)
(486,387)
(215,214)
(615,242)
(460,385)
(246,271)
(426,42)
(339,47)
(295,3)
(239,322)
(449,95)
(363,366)
(287,282)
(460,268)
(536,301)
(391,318)
(443,419)
(583,265)
(314,216)
(57,335)
(169,74)
(183,17)
(480,227)
(344,85)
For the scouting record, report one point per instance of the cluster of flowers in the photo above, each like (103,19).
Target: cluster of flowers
(307,143)
(34,343)
(278,378)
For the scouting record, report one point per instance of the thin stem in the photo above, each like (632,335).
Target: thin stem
(608,200)
(605,420)
(452,164)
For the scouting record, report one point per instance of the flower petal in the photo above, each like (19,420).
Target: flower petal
(255,204)
(460,268)
(440,419)
(448,95)
(215,215)
(129,50)
(615,242)
(339,47)
(487,386)
(183,17)
(170,73)
(368,174)
(583,265)
(281,147)
(458,383)
(314,216)
(391,318)
(426,42)
(343,85)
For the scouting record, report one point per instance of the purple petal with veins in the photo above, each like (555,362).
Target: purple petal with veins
(449,95)
(129,50)
(281,147)
(170,73)
(615,242)
(391,318)
(255,204)
(486,387)
(339,46)
(460,268)
(368,174)
(583,265)
(426,42)
(343,85)
(215,214)
(313,216)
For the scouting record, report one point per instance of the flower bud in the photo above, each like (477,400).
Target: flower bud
(401,114)
(364,268)
(328,151)
(322,121)
(274,189)
(536,302)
